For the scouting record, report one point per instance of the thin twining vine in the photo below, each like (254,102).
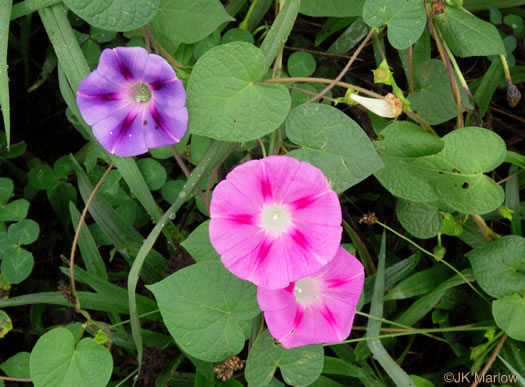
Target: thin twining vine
(436,257)
(75,242)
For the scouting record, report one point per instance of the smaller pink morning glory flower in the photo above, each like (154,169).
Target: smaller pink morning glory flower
(275,220)
(134,102)
(316,309)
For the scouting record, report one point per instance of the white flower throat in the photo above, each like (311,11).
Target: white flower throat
(142,92)
(275,219)
(306,291)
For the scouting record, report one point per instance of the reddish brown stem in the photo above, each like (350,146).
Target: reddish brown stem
(345,69)
(491,360)
(77,234)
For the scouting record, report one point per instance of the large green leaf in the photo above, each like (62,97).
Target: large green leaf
(402,143)
(405,19)
(499,267)
(335,8)
(334,143)
(433,100)
(201,306)
(198,244)
(458,170)
(115,15)
(454,176)
(17,366)
(467,35)
(226,102)
(509,314)
(55,361)
(299,366)
(187,21)
(420,219)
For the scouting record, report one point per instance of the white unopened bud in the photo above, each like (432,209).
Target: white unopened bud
(389,107)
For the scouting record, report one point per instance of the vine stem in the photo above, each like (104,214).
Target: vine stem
(413,332)
(310,92)
(345,69)
(435,257)
(327,81)
(446,61)
(491,360)
(8,379)
(411,68)
(187,172)
(420,121)
(77,234)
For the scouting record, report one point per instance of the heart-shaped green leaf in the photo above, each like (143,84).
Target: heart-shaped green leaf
(405,19)
(226,102)
(454,176)
(201,306)
(334,143)
(509,314)
(187,21)
(433,100)
(335,8)
(17,366)
(499,267)
(468,35)
(55,361)
(115,15)
(299,366)
(420,219)
(402,144)
(198,244)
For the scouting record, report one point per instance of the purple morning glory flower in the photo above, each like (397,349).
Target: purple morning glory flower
(133,101)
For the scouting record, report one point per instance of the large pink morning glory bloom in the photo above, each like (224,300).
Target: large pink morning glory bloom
(134,101)
(316,309)
(275,220)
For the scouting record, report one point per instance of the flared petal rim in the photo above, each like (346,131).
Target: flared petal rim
(269,259)
(122,125)
(329,319)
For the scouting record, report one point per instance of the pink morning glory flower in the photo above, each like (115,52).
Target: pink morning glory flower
(134,101)
(316,309)
(275,220)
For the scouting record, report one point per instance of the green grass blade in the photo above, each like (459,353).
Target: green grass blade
(393,275)
(109,290)
(69,54)
(397,374)
(279,32)
(88,300)
(134,179)
(215,153)
(515,158)
(423,305)
(88,248)
(5,12)
(29,6)
(121,234)
(520,378)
